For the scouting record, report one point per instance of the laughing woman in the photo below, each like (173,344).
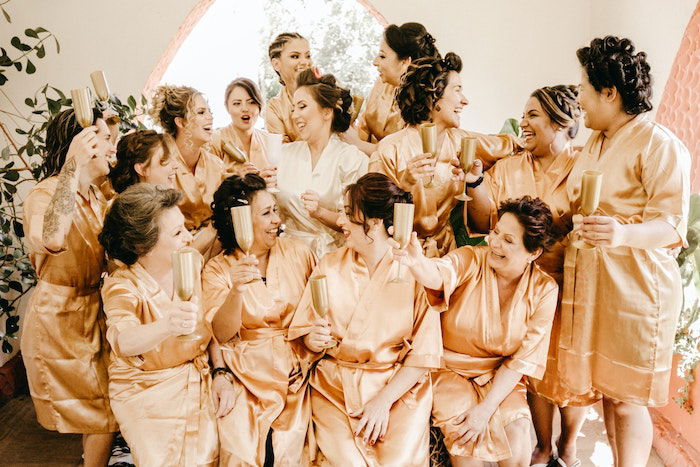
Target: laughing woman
(497,307)
(370,393)
(431,91)
(621,299)
(289,54)
(400,46)
(243,103)
(250,321)
(314,171)
(63,342)
(184,115)
(142,157)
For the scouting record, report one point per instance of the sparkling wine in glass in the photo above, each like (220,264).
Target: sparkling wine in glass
(99,82)
(243,228)
(234,152)
(81,106)
(186,276)
(428,137)
(591,183)
(466,160)
(403,228)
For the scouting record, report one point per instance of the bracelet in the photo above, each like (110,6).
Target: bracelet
(223,370)
(474,184)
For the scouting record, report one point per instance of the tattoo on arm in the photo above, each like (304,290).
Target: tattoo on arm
(63,201)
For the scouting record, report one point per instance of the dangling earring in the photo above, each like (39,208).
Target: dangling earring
(437,107)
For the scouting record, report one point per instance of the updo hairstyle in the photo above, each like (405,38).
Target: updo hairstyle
(170,102)
(373,196)
(560,103)
(328,95)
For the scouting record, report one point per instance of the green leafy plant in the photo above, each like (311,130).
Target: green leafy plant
(22,153)
(687,343)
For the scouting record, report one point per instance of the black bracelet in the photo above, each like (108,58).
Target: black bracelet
(474,184)
(220,369)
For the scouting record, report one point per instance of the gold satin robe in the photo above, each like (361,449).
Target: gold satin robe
(271,386)
(434,205)
(380,326)
(62,343)
(382,116)
(620,305)
(479,337)
(520,175)
(257,154)
(278,116)
(162,398)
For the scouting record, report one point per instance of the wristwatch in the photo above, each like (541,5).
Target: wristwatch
(474,184)
(228,374)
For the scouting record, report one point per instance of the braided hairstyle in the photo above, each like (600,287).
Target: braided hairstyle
(135,148)
(328,95)
(536,219)
(561,106)
(170,102)
(130,228)
(410,40)
(234,191)
(612,62)
(423,86)
(61,130)
(278,43)
(373,196)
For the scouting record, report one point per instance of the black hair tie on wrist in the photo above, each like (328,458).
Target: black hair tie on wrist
(473,184)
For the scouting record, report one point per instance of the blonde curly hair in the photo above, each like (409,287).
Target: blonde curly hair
(170,102)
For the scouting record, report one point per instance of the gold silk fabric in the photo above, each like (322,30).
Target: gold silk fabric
(380,326)
(478,337)
(520,175)
(256,156)
(278,116)
(63,345)
(620,305)
(339,165)
(382,116)
(434,205)
(271,386)
(161,398)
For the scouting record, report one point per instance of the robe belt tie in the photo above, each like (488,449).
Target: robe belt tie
(261,333)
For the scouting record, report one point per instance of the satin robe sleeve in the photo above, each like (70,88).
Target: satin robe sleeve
(350,170)
(665,175)
(426,344)
(216,290)
(119,304)
(35,207)
(305,315)
(455,269)
(491,148)
(274,118)
(531,358)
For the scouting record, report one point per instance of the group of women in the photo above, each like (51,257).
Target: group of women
(476,341)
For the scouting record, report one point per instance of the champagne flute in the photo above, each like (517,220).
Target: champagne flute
(242,218)
(186,269)
(428,137)
(81,106)
(274,153)
(99,82)
(319,296)
(466,160)
(357,102)
(591,183)
(234,152)
(403,228)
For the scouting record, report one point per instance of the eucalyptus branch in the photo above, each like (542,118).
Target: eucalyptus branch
(9,138)
(32,49)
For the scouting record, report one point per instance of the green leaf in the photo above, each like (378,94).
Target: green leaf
(31,33)
(18,228)
(7,17)
(54,106)
(12,175)
(30,67)
(18,44)
(39,30)
(18,65)
(14,285)
(60,93)
(41,52)
(5,154)
(58,46)
(3,78)
(29,102)
(6,346)
(132,102)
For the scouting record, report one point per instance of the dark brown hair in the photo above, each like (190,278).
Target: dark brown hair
(278,43)
(233,191)
(328,95)
(611,62)
(560,103)
(130,228)
(535,217)
(373,196)
(423,86)
(60,132)
(135,148)
(249,87)
(410,40)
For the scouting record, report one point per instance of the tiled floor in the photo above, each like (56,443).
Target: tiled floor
(24,443)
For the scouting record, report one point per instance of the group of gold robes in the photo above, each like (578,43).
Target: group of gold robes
(339,165)
(520,175)
(382,116)
(62,342)
(379,326)
(270,377)
(620,305)
(433,205)
(161,398)
(257,155)
(278,116)
(478,337)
